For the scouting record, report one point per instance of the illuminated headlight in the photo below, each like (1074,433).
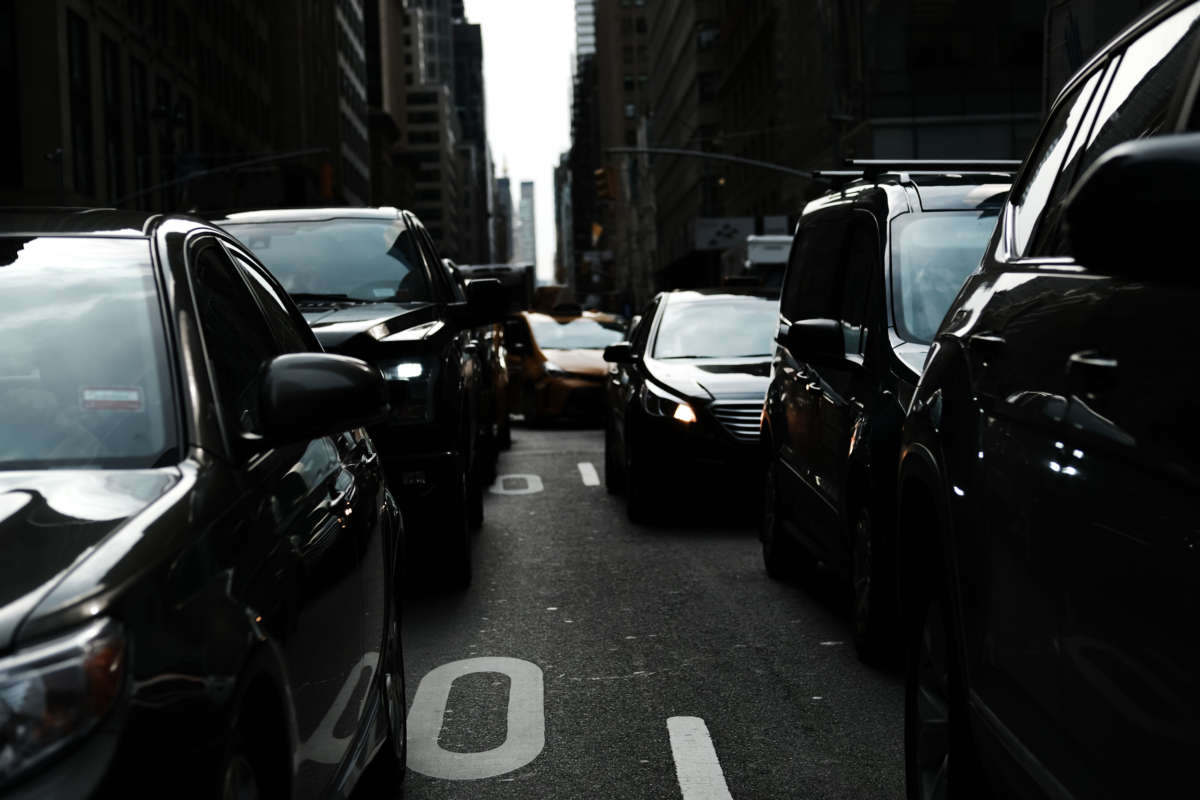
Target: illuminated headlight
(402,370)
(54,693)
(553,369)
(659,403)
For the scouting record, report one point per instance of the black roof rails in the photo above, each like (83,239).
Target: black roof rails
(872,167)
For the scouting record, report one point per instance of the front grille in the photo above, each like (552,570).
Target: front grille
(741,419)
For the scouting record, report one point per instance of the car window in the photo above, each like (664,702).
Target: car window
(1043,165)
(367,260)
(1135,104)
(932,255)
(84,376)
(724,328)
(810,289)
(861,263)
(288,334)
(575,333)
(236,337)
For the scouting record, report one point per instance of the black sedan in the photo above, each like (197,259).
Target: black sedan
(685,397)
(197,547)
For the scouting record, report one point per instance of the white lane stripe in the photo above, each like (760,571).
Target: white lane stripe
(696,765)
(590,478)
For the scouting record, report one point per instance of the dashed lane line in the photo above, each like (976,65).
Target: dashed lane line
(588,472)
(696,764)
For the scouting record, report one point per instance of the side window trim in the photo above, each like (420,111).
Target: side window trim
(240,257)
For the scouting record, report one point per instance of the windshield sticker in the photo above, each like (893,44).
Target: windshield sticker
(107,398)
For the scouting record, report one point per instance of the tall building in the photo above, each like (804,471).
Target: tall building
(438,35)
(526,230)
(431,136)
(474,156)
(564,253)
(503,221)
(156,105)
(584,154)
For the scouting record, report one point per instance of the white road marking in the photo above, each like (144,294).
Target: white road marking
(526,721)
(590,478)
(533,484)
(696,764)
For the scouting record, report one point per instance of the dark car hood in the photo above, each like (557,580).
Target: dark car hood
(725,377)
(53,519)
(335,325)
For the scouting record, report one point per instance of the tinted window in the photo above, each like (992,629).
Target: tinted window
(932,255)
(862,263)
(236,337)
(289,336)
(1042,166)
(576,333)
(722,328)
(83,364)
(365,259)
(811,291)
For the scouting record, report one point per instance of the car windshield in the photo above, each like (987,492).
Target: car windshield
(355,260)
(82,355)
(932,255)
(718,328)
(576,333)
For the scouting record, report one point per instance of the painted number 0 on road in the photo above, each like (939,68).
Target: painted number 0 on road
(526,721)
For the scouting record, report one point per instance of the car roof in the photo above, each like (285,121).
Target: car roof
(78,222)
(721,294)
(307,214)
(933,191)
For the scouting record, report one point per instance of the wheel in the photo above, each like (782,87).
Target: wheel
(388,768)
(451,505)
(613,477)
(529,405)
(781,556)
(938,758)
(475,500)
(639,491)
(873,615)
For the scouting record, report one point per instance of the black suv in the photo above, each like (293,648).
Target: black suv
(873,267)
(1050,469)
(371,285)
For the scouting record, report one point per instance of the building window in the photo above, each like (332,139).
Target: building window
(79,79)
(630,110)
(628,82)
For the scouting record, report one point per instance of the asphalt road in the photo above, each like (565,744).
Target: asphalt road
(629,627)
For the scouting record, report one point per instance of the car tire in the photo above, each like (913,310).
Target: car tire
(938,757)
(639,494)
(451,504)
(614,477)
(782,557)
(872,616)
(389,766)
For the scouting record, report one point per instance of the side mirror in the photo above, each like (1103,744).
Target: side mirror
(487,302)
(1132,213)
(619,353)
(306,395)
(816,341)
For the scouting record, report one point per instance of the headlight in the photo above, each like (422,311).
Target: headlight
(54,693)
(553,369)
(659,403)
(411,385)
(401,370)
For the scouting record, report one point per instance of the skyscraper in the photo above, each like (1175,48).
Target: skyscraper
(526,249)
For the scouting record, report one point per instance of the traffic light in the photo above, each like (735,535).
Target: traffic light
(606,183)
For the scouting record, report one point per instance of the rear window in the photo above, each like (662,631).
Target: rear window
(579,333)
(368,260)
(83,363)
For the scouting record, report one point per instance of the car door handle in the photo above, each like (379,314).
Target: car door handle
(1090,373)
(987,346)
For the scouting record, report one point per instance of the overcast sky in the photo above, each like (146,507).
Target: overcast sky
(527,53)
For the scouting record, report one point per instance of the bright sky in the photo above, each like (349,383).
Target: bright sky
(528,46)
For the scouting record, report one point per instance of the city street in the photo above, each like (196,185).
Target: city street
(630,627)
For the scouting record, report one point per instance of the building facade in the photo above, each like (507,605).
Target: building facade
(525,233)
(503,220)
(475,156)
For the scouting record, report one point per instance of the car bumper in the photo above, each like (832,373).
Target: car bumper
(697,453)
(571,397)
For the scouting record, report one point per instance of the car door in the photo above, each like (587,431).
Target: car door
(846,387)
(810,292)
(1125,475)
(306,589)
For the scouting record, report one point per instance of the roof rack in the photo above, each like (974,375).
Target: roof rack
(871,167)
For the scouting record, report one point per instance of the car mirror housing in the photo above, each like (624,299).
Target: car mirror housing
(817,341)
(487,302)
(619,353)
(1131,212)
(306,395)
